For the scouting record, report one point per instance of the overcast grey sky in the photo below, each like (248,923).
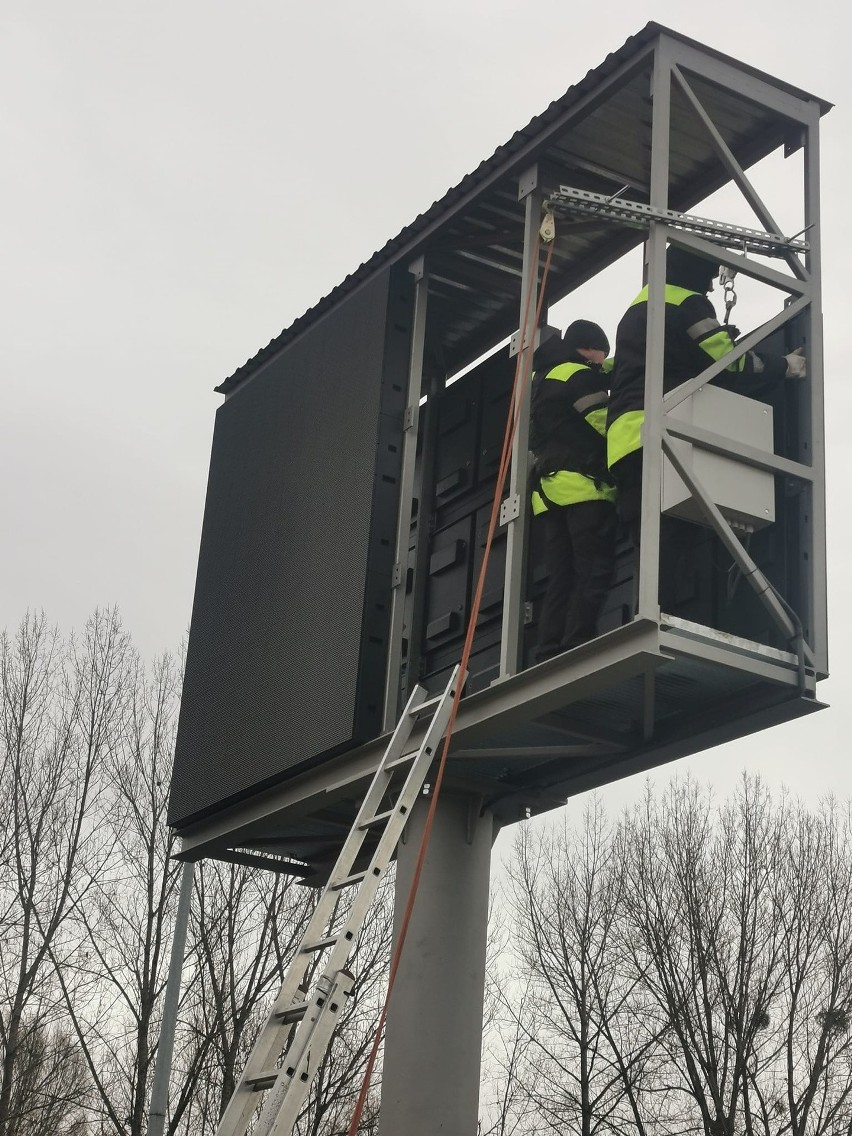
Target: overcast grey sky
(184,178)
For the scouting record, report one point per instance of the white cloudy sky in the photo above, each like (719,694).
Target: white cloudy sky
(184,178)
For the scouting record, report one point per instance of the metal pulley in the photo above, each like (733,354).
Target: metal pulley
(727,276)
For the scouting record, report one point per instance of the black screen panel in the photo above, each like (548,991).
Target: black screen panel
(288,636)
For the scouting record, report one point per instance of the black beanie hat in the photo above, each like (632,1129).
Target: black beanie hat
(689,270)
(584,333)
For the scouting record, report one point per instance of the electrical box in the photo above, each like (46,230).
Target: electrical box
(745,495)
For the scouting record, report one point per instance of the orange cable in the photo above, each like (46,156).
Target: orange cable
(521,379)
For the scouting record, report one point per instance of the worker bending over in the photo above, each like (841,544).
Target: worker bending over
(572,490)
(693,339)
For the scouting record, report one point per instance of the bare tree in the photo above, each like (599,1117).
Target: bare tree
(588,1050)
(88,888)
(59,713)
(510,1078)
(505,1033)
(701,900)
(704,954)
(113,977)
(244,928)
(807,1089)
(51,1090)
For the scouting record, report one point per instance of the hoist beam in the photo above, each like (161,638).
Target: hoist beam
(619,210)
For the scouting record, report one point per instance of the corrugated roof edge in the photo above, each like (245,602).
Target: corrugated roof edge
(395,245)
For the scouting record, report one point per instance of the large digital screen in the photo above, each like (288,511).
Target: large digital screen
(287,646)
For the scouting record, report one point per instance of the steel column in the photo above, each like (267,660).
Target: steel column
(812,411)
(430,1080)
(514,591)
(406,494)
(165,1048)
(652,466)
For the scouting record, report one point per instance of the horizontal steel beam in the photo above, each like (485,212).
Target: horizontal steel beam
(749,455)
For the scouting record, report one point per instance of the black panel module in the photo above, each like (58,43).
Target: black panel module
(287,649)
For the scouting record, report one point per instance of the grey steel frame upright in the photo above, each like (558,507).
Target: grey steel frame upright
(406,498)
(672,60)
(802,288)
(514,512)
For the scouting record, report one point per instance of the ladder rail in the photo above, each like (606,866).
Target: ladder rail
(305,1035)
(389,839)
(235,1118)
(283,1094)
(355,840)
(286,1098)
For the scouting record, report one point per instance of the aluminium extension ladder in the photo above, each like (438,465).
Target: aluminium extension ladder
(301,1023)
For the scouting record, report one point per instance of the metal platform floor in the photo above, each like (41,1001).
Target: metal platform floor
(637,697)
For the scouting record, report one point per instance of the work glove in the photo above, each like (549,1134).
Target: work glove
(797,364)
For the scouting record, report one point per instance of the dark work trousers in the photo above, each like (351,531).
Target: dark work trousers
(580,558)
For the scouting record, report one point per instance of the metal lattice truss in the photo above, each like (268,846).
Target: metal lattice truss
(581,202)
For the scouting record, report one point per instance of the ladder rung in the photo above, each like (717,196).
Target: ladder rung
(379,818)
(347,881)
(425,707)
(406,759)
(263,1080)
(319,945)
(293,1013)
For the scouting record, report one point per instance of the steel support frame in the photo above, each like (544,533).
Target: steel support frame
(620,654)
(673,63)
(514,590)
(812,407)
(406,494)
(159,1106)
(802,288)
(648,606)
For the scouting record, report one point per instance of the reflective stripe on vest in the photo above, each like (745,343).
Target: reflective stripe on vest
(568,487)
(625,434)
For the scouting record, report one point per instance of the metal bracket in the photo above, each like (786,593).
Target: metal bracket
(640,216)
(417,268)
(409,418)
(515,341)
(527,182)
(528,612)
(396,575)
(510,509)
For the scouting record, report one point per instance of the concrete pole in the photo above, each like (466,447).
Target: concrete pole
(165,1047)
(433,1042)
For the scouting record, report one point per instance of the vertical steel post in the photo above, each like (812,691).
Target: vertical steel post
(162,1071)
(406,494)
(652,431)
(516,505)
(812,414)
(424,487)
(432,1056)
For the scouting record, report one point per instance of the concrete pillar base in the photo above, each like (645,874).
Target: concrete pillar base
(433,1041)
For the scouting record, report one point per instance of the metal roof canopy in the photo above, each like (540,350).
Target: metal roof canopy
(674,121)
(597,136)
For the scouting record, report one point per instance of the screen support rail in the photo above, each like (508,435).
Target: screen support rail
(619,210)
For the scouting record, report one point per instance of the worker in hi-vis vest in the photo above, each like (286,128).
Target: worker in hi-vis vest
(693,338)
(573,495)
